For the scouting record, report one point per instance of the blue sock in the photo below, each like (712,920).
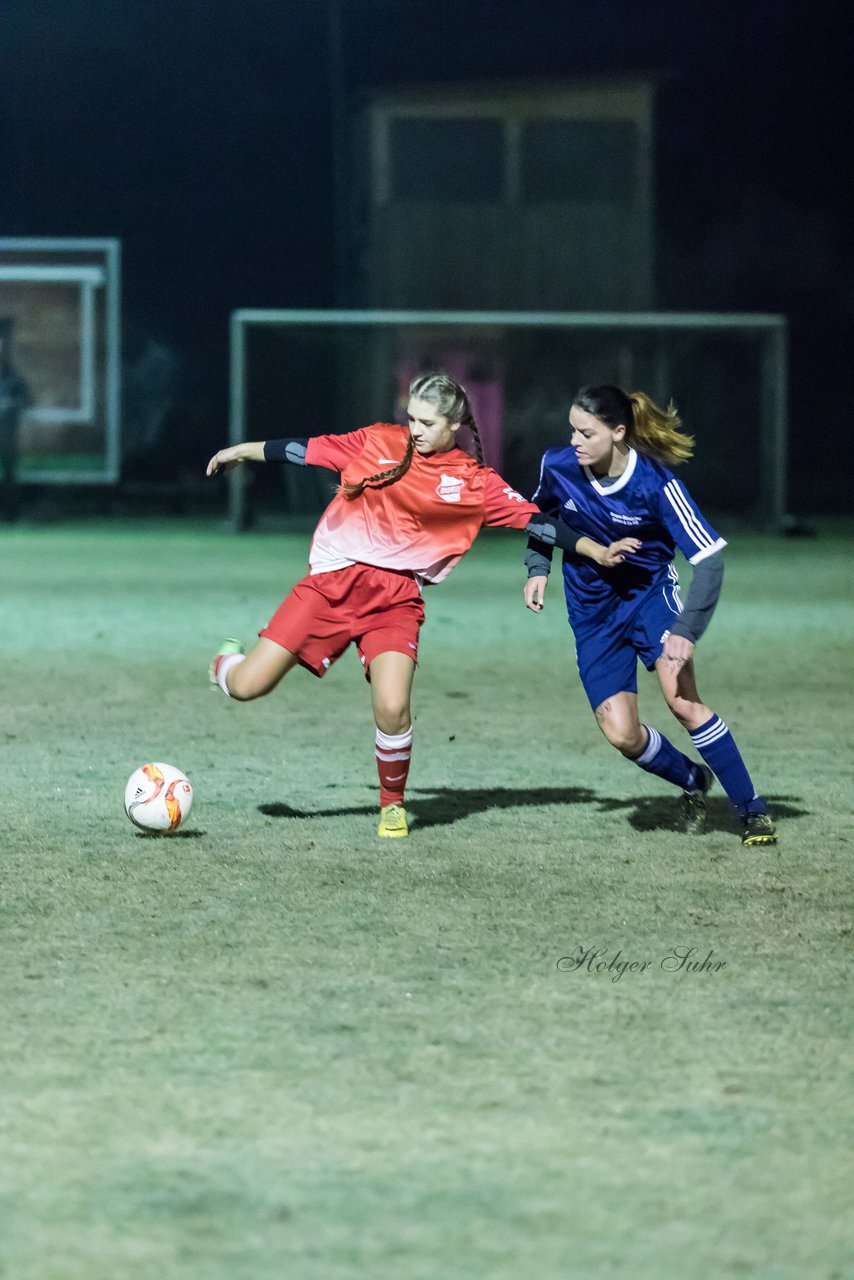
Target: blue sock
(717,746)
(661,757)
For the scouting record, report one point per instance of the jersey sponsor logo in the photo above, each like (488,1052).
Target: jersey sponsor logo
(392,461)
(619,519)
(569,505)
(449,488)
(511,493)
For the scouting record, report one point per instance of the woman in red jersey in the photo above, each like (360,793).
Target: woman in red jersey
(409,505)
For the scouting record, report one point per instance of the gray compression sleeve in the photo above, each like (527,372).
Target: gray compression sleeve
(703,595)
(286,450)
(538,559)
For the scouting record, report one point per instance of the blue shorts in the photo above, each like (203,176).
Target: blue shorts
(608,648)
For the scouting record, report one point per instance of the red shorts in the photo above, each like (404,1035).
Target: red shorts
(380,610)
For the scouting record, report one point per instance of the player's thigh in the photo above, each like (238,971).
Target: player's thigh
(261,670)
(391,675)
(607,663)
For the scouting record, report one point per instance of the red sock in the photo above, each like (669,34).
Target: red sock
(393,752)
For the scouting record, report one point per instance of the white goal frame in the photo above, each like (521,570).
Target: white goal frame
(99,286)
(770,330)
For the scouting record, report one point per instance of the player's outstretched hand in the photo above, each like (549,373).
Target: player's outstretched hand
(617,551)
(228,459)
(225,460)
(535,590)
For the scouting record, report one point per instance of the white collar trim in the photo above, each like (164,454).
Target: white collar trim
(624,479)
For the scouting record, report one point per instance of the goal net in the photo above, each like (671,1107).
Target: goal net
(300,373)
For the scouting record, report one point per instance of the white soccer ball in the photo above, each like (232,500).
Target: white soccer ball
(158,797)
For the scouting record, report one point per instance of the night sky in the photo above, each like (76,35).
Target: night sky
(199,133)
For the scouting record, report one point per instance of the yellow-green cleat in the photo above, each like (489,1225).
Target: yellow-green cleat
(758,829)
(227,647)
(393,821)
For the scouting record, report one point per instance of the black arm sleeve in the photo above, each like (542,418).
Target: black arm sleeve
(703,595)
(553,531)
(286,450)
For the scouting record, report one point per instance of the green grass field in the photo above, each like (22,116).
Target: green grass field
(274,1046)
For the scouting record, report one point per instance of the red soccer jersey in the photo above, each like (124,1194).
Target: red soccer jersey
(424,522)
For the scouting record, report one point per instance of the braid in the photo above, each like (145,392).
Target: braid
(451,401)
(382,478)
(475,435)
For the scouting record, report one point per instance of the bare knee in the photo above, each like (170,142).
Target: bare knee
(629,742)
(391,688)
(393,715)
(622,729)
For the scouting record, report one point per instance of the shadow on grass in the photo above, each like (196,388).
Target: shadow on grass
(446,805)
(443,807)
(663,813)
(190,834)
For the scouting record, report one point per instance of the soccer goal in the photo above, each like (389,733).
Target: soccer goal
(60,304)
(301,372)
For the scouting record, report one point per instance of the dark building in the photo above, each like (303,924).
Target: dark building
(520,198)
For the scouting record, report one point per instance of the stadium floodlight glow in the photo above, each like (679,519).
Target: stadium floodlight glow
(769,330)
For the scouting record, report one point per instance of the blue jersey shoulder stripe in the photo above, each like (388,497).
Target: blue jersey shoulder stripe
(687,516)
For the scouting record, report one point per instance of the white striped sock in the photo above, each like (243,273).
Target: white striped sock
(394,741)
(650,751)
(707,735)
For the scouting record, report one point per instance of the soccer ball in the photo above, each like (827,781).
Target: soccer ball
(158,797)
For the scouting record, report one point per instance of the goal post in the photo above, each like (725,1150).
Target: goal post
(728,371)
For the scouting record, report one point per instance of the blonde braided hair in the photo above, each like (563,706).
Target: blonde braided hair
(451,401)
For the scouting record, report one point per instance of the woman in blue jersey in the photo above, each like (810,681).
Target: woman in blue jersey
(613,480)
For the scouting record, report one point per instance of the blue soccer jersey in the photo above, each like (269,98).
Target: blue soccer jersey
(646,502)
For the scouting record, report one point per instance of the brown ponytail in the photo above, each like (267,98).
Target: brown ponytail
(658,431)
